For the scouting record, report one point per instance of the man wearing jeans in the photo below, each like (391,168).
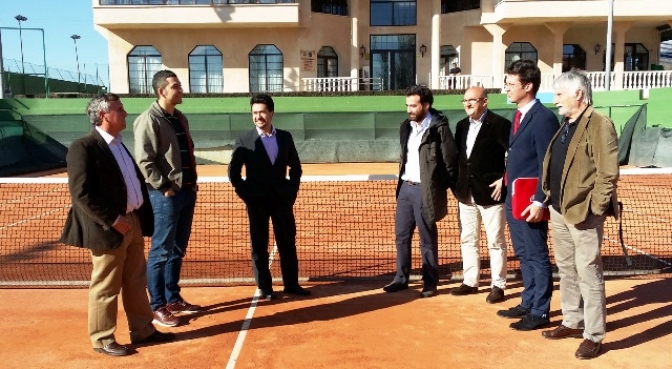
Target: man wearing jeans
(164,151)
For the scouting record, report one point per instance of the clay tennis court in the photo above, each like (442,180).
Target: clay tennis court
(348,322)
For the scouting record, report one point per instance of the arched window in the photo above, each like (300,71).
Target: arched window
(518,51)
(143,63)
(205,70)
(573,56)
(449,56)
(327,62)
(266,65)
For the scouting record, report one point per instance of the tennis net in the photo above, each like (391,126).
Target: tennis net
(345,230)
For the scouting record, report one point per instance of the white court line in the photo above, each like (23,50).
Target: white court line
(32,218)
(248,319)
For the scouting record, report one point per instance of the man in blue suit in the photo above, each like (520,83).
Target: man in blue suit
(533,127)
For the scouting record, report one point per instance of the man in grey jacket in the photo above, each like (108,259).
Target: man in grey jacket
(427,168)
(164,152)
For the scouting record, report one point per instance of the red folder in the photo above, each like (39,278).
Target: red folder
(522,195)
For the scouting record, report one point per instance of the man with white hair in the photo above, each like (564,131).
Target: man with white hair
(579,177)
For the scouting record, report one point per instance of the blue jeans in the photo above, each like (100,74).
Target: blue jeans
(172,228)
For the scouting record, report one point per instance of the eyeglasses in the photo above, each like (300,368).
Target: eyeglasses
(472,101)
(565,132)
(512,85)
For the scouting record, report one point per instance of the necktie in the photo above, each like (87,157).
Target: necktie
(516,121)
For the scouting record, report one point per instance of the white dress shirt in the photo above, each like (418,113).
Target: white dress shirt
(412,165)
(474,128)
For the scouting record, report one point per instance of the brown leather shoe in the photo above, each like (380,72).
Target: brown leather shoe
(113,349)
(496,295)
(588,350)
(562,332)
(183,307)
(163,317)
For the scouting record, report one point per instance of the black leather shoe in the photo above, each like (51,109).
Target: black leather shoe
(588,350)
(562,332)
(113,349)
(267,295)
(464,290)
(297,290)
(514,312)
(156,337)
(428,293)
(496,295)
(530,322)
(395,287)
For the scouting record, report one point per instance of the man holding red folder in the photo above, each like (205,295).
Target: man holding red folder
(533,127)
(579,179)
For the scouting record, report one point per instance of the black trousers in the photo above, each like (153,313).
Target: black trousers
(284,227)
(408,216)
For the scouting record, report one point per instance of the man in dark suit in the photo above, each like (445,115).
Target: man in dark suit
(533,127)
(482,140)
(266,153)
(110,214)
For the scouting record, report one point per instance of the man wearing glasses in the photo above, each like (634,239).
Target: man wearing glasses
(482,140)
(533,127)
(580,175)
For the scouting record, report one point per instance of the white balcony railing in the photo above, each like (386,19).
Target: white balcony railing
(631,80)
(337,84)
(464,81)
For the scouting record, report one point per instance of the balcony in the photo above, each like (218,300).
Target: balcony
(640,80)
(340,84)
(124,14)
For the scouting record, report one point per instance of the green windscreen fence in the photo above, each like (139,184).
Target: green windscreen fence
(38,142)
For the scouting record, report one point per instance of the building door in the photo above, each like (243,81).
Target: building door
(393,61)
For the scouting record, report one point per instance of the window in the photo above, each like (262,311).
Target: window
(143,63)
(205,70)
(266,65)
(573,56)
(393,13)
(635,57)
(337,7)
(452,6)
(518,51)
(449,56)
(327,62)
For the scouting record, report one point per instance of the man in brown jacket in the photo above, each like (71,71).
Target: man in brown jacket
(579,179)
(110,213)
(427,168)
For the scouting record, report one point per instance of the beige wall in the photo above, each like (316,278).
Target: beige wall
(463,30)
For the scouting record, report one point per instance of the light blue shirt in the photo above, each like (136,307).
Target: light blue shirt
(134,198)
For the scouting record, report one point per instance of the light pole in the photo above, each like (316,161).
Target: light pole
(74,39)
(20,18)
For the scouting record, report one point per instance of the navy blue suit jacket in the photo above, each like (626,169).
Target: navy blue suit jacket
(527,147)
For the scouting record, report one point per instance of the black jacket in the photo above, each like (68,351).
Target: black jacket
(265,180)
(438,164)
(98,194)
(487,161)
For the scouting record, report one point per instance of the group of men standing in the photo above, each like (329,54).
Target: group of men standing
(576,168)
(117,200)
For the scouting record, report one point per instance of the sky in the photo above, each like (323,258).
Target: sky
(59,19)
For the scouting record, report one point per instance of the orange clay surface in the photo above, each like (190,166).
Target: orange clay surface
(343,325)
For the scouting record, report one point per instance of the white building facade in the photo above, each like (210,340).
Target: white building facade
(226,46)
